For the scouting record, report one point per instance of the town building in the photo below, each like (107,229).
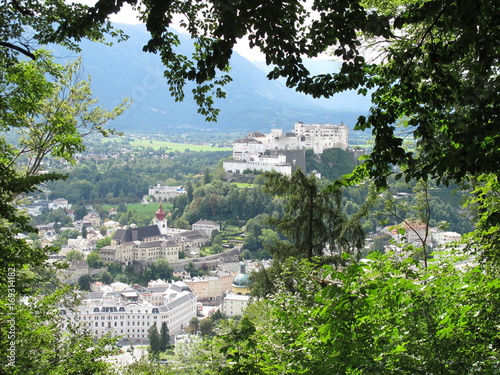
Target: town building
(207,288)
(207,226)
(165,193)
(59,203)
(79,243)
(127,314)
(140,245)
(94,219)
(113,212)
(226,280)
(441,238)
(146,244)
(235,302)
(411,232)
(191,240)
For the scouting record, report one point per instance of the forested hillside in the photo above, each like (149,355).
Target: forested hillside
(126,179)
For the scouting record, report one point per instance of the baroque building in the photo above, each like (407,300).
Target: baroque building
(128,313)
(235,302)
(146,244)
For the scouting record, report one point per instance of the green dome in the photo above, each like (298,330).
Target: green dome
(242,279)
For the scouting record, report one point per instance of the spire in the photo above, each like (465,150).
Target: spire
(160,214)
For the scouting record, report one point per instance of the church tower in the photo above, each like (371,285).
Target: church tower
(160,220)
(241,283)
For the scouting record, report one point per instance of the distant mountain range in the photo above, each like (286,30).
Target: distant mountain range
(253,102)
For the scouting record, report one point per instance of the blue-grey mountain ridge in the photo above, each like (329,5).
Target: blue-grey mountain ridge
(253,102)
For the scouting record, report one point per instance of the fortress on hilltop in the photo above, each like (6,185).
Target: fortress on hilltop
(284,152)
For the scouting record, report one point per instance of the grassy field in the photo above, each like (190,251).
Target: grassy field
(242,185)
(174,146)
(148,209)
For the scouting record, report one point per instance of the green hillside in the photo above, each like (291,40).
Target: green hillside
(332,164)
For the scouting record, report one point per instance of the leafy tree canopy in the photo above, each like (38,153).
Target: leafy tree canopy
(384,316)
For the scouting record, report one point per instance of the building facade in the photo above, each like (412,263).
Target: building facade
(262,152)
(264,163)
(165,193)
(207,288)
(235,302)
(146,244)
(208,226)
(127,314)
(94,219)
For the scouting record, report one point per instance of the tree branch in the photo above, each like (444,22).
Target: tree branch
(24,51)
(23,11)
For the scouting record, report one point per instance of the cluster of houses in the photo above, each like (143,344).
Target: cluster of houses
(128,311)
(38,206)
(415,232)
(142,244)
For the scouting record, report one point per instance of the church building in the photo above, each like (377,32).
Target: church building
(235,302)
(146,244)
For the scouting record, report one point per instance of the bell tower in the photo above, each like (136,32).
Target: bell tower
(160,220)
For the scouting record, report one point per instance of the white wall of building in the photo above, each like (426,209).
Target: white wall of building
(234,304)
(248,152)
(133,320)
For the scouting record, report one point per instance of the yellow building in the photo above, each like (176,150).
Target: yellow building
(241,282)
(234,303)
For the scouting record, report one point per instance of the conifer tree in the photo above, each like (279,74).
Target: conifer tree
(164,337)
(314,218)
(154,340)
